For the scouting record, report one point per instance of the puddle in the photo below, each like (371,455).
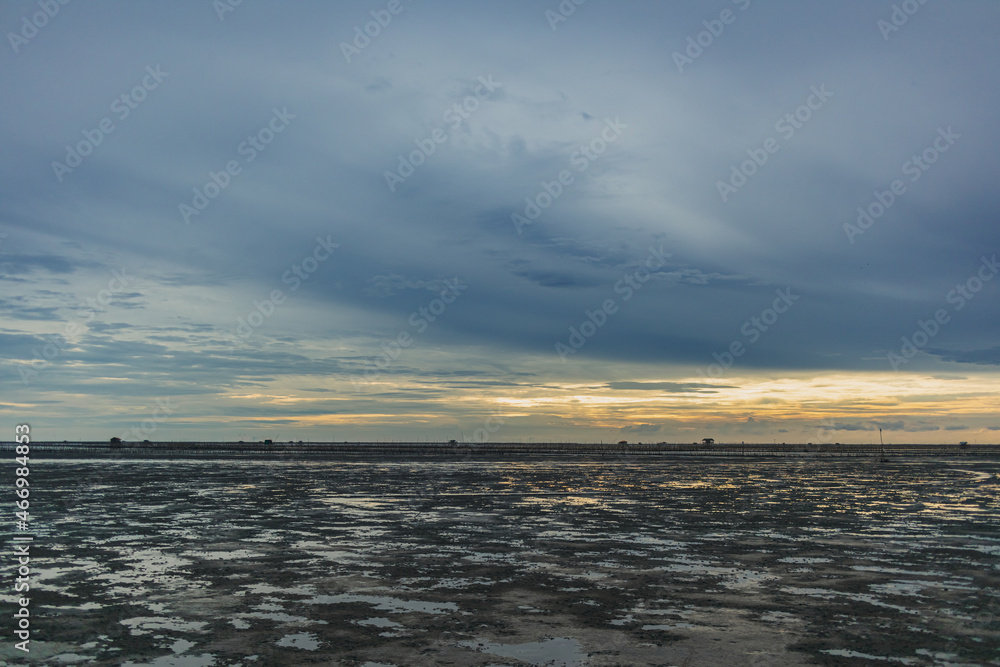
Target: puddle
(86,606)
(222,555)
(676,626)
(280,617)
(779,617)
(843,653)
(203,660)
(268,589)
(916,588)
(383,603)
(181,645)
(301,640)
(896,570)
(977,475)
(827,594)
(71,658)
(380,623)
(732,577)
(558,652)
(144,625)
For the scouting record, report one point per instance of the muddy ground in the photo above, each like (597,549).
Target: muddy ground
(793,561)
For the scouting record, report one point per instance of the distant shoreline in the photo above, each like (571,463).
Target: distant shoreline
(481,451)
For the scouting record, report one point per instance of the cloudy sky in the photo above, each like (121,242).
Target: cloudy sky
(510,220)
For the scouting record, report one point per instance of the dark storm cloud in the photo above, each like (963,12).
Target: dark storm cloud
(17,346)
(989,356)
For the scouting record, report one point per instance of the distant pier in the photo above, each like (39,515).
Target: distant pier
(291,451)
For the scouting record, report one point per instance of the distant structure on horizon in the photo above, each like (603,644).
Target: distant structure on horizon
(708,441)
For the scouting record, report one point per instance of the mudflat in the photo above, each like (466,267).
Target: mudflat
(665,561)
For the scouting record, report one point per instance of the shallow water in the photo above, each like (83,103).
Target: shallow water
(664,561)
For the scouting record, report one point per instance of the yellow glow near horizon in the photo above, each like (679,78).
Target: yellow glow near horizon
(801,400)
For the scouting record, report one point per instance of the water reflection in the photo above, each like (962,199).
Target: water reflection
(823,553)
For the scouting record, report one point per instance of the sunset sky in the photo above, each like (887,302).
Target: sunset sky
(503,220)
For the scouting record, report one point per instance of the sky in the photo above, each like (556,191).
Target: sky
(425,220)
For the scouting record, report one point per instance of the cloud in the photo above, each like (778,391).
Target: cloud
(670,387)
(641,429)
(988,356)
(897,425)
(873,425)
(388,285)
(847,426)
(20,263)
(18,308)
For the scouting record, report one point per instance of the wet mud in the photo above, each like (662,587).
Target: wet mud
(792,561)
